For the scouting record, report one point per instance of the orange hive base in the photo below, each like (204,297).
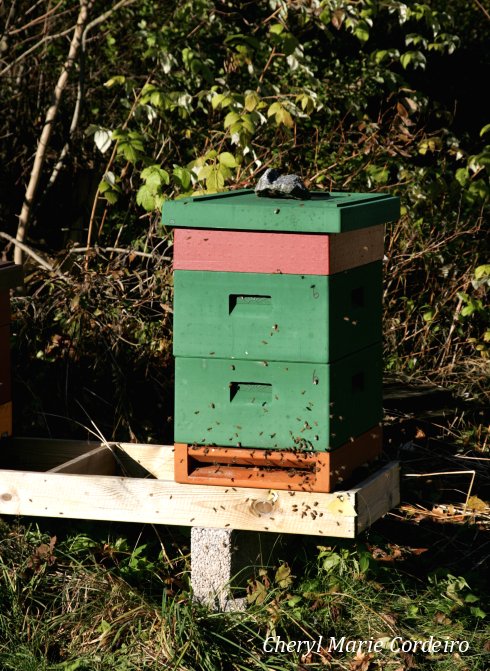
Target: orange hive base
(274,469)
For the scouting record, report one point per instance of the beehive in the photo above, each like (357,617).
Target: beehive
(10,276)
(277,332)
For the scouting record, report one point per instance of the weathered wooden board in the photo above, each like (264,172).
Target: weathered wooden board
(285,253)
(99,461)
(341,514)
(4,307)
(11,275)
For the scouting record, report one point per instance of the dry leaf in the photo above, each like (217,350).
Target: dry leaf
(362,661)
(474,503)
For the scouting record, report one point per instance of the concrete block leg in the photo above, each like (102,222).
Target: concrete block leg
(222,560)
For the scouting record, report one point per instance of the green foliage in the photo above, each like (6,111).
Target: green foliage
(197,97)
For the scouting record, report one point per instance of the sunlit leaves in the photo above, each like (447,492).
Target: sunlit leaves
(214,169)
(430,145)
(462,175)
(378,174)
(231,118)
(227,159)
(281,115)
(183,177)
(130,144)
(114,81)
(385,56)
(109,187)
(221,100)
(415,59)
(102,137)
(283,577)
(150,194)
(252,99)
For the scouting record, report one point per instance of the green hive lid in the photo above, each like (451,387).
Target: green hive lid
(242,209)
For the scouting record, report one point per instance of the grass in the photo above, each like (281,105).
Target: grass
(106,597)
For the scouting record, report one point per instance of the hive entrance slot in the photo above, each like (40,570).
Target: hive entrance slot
(249,303)
(247,467)
(250,392)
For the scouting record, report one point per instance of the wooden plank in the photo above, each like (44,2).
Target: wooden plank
(154,460)
(155,501)
(285,253)
(271,317)
(356,248)
(283,406)
(41,454)
(377,495)
(99,461)
(333,212)
(161,502)
(11,275)
(4,307)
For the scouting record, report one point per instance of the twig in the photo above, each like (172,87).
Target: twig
(109,164)
(266,66)
(426,475)
(27,52)
(482,8)
(116,250)
(35,21)
(44,264)
(463,456)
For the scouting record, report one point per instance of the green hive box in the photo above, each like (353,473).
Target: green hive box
(277,361)
(310,406)
(315,318)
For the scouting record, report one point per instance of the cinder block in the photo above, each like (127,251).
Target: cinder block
(222,560)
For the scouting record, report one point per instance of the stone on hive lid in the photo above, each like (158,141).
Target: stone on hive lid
(275,185)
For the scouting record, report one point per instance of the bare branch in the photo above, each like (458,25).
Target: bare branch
(35,21)
(27,52)
(486,13)
(25,215)
(39,260)
(117,250)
